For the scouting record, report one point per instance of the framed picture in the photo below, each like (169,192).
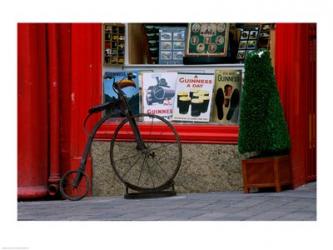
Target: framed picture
(245,35)
(242,44)
(179,45)
(207,40)
(166,36)
(171,44)
(166,55)
(179,36)
(241,54)
(248,41)
(166,45)
(251,44)
(253,34)
(178,55)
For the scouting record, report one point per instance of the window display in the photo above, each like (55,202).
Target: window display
(159,88)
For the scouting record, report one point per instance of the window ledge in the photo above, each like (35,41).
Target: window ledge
(189,133)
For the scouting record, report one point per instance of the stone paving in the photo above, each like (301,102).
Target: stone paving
(289,205)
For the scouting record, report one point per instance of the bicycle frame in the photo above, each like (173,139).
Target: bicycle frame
(124,107)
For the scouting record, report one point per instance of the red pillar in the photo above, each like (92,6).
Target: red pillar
(32,112)
(86,91)
(54,108)
(295,68)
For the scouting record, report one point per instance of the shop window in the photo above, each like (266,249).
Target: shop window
(201,97)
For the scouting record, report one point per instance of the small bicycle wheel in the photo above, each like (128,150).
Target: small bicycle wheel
(150,168)
(67,188)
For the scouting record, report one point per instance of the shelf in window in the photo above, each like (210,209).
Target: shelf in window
(203,66)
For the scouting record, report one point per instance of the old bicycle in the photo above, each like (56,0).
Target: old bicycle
(138,157)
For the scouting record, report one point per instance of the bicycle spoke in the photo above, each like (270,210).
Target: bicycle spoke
(160,167)
(151,176)
(125,147)
(127,157)
(130,168)
(159,173)
(141,170)
(167,159)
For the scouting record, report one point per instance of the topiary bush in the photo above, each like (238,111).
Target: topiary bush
(263,128)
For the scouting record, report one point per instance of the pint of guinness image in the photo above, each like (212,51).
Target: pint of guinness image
(184,104)
(181,94)
(197,106)
(205,104)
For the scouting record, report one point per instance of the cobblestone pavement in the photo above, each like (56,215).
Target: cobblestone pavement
(295,205)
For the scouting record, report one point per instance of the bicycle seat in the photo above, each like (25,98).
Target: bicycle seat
(100,107)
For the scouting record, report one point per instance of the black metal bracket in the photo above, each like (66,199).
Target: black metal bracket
(166,191)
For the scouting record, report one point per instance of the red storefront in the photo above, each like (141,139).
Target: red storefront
(60,78)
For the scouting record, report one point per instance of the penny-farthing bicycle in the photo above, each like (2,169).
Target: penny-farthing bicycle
(145,151)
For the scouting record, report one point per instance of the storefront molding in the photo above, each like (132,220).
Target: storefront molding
(201,133)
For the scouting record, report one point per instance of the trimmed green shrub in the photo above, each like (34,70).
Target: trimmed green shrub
(263,128)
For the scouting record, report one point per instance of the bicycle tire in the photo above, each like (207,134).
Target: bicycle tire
(158,167)
(70,193)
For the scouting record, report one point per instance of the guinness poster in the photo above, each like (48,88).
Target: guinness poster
(226,96)
(193,97)
(158,93)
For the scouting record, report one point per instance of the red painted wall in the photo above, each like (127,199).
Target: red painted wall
(295,67)
(59,77)
(86,91)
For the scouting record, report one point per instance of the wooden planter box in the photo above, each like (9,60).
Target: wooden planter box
(266,172)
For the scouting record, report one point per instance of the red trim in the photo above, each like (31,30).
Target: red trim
(189,133)
(32,192)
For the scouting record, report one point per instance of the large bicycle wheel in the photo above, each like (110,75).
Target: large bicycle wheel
(71,192)
(153,167)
